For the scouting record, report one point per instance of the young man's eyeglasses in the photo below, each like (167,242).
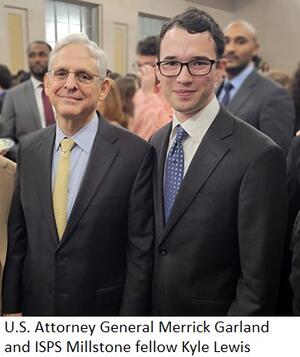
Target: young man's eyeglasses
(172,68)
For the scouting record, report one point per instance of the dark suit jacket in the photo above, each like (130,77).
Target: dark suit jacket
(20,115)
(267,106)
(103,263)
(294,219)
(220,251)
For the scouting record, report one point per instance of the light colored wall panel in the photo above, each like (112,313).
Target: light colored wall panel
(16,50)
(16,21)
(278,30)
(121,44)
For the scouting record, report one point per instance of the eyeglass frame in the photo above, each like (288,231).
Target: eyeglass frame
(74,72)
(212,62)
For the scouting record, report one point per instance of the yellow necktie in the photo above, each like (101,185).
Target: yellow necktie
(60,191)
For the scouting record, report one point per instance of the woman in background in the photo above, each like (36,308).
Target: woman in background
(111,106)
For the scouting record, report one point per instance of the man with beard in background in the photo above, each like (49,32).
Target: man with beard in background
(26,107)
(250,96)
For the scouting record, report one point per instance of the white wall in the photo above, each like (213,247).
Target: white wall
(278,30)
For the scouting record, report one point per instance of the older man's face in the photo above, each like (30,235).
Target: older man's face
(74,99)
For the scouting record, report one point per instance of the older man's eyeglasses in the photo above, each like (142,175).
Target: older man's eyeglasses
(198,67)
(82,77)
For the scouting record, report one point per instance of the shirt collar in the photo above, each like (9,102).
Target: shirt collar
(198,124)
(239,79)
(35,82)
(84,138)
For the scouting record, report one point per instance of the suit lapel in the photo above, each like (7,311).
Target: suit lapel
(30,100)
(209,153)
(247,87)
(44,184)
(159,176)
(102,156)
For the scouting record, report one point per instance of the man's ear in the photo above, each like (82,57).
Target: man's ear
(157,72)
(221,64)
(105,86)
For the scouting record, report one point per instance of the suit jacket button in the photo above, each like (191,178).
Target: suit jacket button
(163,252)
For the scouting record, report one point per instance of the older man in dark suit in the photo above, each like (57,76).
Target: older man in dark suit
(80,226)
(220,188)
(259,101)
(26,107)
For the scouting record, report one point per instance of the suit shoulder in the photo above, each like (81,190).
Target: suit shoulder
(36,136)
(18,89)
(269,86)
(160,134)
(123,138)
(251,139)
(295,145)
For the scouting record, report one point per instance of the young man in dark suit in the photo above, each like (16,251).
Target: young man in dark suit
(81,225)
(219,188)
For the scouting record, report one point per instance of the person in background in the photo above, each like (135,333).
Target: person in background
(127,86)
(20,77)
(279,77)
(251,96)
(220,195)
(80,229)
(26,107)
(111,107)
(151,110)
(5,82)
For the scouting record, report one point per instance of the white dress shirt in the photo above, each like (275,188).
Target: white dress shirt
(196,127)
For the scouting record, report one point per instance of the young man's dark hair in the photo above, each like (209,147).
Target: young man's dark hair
(195,21)
(5,77)
(148,46)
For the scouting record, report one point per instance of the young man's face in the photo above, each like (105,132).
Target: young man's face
(240,47)
(186,93)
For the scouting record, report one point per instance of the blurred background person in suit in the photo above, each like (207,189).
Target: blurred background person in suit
(249,95)
(26,107)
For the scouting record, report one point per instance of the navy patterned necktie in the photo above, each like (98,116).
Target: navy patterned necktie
(174,171)
(227,89)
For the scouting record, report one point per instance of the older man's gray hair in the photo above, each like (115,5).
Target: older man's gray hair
(81,38)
